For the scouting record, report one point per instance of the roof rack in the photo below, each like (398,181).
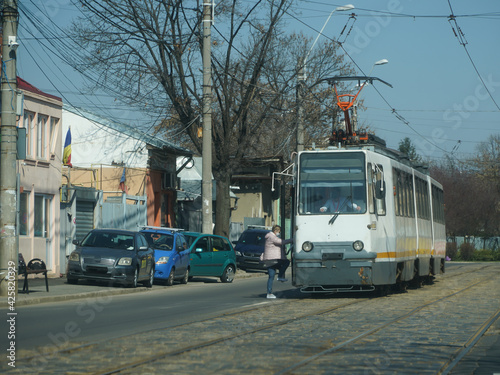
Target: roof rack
(252,226)
(162,228)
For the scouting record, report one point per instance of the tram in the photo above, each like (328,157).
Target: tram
(384,225)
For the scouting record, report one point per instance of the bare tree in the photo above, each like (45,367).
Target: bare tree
(471,202)
(487,162)
(150,53)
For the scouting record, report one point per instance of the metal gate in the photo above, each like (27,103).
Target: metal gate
(84,220)
(116,213)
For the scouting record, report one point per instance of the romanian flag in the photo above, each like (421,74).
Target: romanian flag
(67,149)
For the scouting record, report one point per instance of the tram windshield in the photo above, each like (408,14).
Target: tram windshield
(332,182)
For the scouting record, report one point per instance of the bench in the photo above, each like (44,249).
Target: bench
(34,266)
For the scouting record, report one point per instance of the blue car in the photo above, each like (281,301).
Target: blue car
(249,248)
(171,254)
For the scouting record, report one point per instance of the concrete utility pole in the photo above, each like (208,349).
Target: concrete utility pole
(300,109)
(8,146)
(206,178)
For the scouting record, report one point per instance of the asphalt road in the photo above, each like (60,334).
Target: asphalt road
(106,317)
(182,316)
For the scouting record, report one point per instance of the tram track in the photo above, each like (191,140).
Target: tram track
(463,351)
(369,332)
(137,362)
(95,345)
(224,339)
(290,369)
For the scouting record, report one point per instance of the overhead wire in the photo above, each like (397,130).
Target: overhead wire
(46,31)
(463,42)
(393,110)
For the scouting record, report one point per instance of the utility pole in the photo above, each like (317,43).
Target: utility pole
(301,83)
(206,178)
(8,147)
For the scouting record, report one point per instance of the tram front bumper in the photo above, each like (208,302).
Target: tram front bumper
(333,272)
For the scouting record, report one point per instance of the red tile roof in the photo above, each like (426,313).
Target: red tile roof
(22,84)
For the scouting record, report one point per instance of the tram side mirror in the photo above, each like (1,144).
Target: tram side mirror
(277,190)
(380,186)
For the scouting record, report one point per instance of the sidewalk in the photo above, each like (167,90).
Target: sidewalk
(60,290)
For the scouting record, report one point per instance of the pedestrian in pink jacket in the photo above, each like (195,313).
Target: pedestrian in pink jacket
(274,257)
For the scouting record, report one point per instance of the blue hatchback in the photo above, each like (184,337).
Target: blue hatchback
(171,254)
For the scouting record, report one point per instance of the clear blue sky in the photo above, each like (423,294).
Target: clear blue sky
(436,90)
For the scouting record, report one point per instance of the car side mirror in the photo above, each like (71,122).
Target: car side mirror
(76,242)
(180,248)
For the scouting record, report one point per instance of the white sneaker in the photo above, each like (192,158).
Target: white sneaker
(271,296)
(282,279)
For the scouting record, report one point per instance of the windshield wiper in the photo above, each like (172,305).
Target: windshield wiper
(336,215)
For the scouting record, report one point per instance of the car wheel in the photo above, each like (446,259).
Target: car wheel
(133,283)
(72,280)
(149,282)
(228,275)
(185,279)
(170,280)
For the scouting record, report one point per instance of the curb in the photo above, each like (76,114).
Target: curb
(95,294)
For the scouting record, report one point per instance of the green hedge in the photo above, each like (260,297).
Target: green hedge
(467,252)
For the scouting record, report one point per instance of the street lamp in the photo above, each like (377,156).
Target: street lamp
(338,9)
(302,78)
(380,62)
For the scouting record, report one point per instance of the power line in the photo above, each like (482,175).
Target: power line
(461,38)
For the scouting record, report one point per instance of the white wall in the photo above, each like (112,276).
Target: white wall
(94,143)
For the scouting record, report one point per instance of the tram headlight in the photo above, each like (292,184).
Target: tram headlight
(307,246)
(358,245)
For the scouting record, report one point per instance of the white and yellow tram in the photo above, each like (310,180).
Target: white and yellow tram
(388,228)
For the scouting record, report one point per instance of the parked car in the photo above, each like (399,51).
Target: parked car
(171,254)
(249,247)
(114,255)
(211,255)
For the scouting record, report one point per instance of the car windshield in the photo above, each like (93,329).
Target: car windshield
(253,238)
(190,238)
(109,240)
(160,241)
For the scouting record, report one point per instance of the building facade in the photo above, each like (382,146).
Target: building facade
(114,162)
(40,176)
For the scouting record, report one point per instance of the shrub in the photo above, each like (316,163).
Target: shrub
(451,250)
(483,255)
(466,251)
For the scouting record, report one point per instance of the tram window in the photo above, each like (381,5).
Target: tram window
(380,203)
(418,192)
(396,195)
(320,174)
(403,195)
(371,187)
(399,193)
(411,196)
(427,202)
(437,205)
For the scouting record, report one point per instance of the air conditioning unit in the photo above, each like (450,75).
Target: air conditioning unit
(168,181)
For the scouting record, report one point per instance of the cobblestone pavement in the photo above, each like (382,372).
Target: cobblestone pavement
(418,332)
